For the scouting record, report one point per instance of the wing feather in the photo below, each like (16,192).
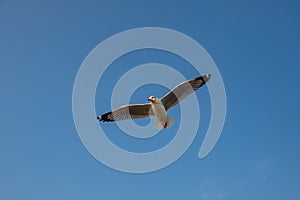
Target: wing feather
(133,111)
(182,90)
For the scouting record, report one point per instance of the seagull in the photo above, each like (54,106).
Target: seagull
(157,107)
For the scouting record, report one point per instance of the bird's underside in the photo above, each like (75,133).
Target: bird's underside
(172,98)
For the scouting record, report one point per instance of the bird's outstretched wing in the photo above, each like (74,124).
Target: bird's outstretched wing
(182,90)
(126,112)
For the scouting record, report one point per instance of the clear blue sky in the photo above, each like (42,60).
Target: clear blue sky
(255,44)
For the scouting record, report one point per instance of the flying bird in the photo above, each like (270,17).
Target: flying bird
(157,107)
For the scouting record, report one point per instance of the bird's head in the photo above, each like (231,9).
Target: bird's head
(153,99)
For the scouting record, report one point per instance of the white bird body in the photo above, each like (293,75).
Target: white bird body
(157,107)
(162,119)
(159,111)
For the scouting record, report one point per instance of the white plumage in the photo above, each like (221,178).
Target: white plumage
(157,107)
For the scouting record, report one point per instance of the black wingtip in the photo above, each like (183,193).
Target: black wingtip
(205,78)
(105,117)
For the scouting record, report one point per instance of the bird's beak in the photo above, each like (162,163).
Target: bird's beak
(149,100)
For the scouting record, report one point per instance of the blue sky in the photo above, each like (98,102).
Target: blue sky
(255,46)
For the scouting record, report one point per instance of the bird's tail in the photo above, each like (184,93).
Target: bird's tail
(160,125)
